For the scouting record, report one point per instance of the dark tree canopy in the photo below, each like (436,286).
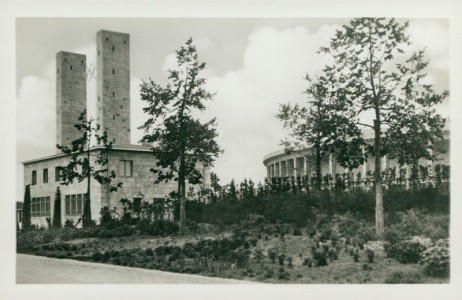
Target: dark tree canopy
(180,141)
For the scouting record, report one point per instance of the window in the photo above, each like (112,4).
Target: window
(113,94)
(113,48)
(70,68)
(74,204)
(34,177)
(58,174)
(45,175)
(126,168)
(113,71)
(40,207)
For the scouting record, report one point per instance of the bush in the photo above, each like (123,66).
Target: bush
(403,277)
(272,254)
(157,228)
(297,231)
(436,259)
(283,274)
(308,262)
(29,240)
(370,254)
(69,223)
(320,258)
(406,251)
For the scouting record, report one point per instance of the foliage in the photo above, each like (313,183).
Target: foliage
(404,277)
(406,252)
(180,142)
(81,167)
(157,228)
(57,209)
(272,254)
(436,259)
(119,231)
(69,223)
(416,222)
(369,73)
(26,210)
(31,239)
(370,254)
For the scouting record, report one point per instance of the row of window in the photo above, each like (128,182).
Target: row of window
(40,207)
(125,170)
(45,175)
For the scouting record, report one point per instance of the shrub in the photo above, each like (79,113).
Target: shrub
(320,258)
(370,255)
(269,273)
(289,261)
(283,274)
(272,254)
(281,258)
(157,228)
(356,255)
(297,231)
(258,255)
(149,252)
(308,262)
(405,252)
(403,277)
(69,223)
(436,259)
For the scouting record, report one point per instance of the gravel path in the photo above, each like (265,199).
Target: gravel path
(37,269)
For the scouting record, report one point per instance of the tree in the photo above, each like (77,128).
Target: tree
(57,209)
(314,126)
(81,167)
(26,222)
(216,187)
(179,140)
(371,75)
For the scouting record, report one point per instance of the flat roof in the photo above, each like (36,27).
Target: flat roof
(120,147)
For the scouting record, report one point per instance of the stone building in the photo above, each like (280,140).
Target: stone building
(131,163)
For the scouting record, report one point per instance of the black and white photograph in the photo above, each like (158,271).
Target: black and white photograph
(237,151)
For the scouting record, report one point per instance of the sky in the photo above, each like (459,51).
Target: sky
(253,65)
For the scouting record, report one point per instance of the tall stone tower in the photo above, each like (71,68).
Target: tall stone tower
(71,95)
(113,85)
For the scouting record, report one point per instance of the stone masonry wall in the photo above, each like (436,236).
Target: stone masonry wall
(42,189)
(113,85)
(71,95)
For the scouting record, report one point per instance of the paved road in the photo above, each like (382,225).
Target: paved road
(37,269)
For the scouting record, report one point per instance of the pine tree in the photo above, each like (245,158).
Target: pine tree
(57,209)
(26,210)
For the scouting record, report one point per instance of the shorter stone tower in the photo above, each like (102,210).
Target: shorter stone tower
(113,85)
(71,95)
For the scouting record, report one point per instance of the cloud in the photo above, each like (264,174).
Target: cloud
(36,111)
(274,65)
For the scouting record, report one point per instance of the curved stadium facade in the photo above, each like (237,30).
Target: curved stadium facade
(280,164)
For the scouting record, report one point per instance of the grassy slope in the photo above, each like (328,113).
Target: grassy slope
(343,270)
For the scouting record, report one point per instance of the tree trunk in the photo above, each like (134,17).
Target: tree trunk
(86,220)
(318,167)
(182,194)
(379,219)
